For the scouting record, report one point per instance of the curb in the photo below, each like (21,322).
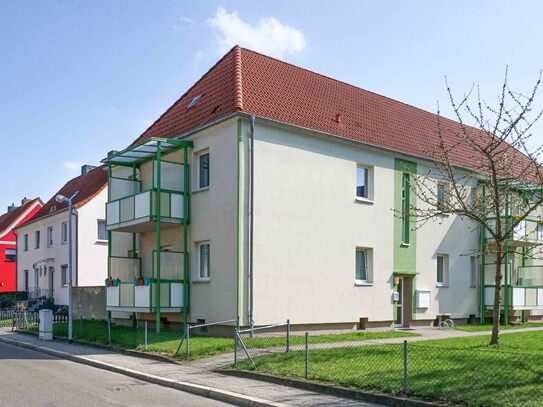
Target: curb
(368,396)
(200,390)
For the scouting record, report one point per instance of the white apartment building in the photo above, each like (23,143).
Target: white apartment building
(278,191)
(42,242)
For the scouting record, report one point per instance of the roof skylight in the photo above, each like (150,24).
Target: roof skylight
(193,102)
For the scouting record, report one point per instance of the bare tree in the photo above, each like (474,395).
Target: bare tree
(486,172)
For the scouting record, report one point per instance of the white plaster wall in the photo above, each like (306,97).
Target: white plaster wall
(92,253)
(308,226)
(56,255)
(214,218)
(459,239)
(90,261)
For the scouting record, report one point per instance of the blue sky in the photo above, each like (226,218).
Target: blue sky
(80,78)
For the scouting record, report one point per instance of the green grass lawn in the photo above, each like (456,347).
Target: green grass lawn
(167,342)
(488,327)
(461,371)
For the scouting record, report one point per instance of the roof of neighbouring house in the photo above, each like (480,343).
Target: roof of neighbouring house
(249,82)
(88,185)
(9,219)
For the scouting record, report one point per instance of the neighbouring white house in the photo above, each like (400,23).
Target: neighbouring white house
(42,242)
(269,192)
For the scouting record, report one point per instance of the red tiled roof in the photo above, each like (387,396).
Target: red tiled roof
(7,219)
(249,82)
(88,186)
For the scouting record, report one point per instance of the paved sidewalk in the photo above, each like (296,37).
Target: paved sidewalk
(197,375)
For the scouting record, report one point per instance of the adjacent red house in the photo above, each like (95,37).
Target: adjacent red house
(14,217)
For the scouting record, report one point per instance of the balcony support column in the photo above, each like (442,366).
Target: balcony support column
(186,203)
(158,219)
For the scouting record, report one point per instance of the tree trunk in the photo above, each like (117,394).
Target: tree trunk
(495,339)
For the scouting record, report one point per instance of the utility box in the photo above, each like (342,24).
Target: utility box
(46,325)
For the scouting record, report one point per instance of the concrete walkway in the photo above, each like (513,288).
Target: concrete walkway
(194,377)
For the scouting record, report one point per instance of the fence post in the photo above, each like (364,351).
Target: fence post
(405,374)
(187,334)
(236,347)
(145,336)
(109,328)
(306,356)
(288,335)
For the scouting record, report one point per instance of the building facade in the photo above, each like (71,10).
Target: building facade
(283,195)
(13,218)
(42,266)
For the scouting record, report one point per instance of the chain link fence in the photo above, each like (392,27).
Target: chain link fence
(475,376)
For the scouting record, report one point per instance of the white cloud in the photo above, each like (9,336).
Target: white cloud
(198,59)
(72,165)
(269,36)
(186,20)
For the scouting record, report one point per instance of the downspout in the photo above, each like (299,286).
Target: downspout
(76,215)
(251,220)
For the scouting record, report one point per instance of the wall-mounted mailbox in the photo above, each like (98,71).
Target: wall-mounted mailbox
(424,298)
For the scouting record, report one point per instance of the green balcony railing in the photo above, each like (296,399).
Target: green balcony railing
(143,206)
(128,295)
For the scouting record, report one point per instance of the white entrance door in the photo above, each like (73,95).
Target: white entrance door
(398,318)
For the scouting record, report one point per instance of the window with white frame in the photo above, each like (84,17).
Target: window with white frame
(50,236)
(11,255)
(442,194)
(64,232)
(65,277)
(204,261)
(37,239)
(363,265)
(363,182)
(442,270)
(474,271)
(203,170)
(25,242)
(102,233)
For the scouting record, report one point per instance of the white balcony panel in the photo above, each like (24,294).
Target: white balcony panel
(112,213)
(142,205)
(176,294)
(171,265)
(489,296)
(540,296)
(112,296)
(164,295)
(127,295)
(171,176)
(165,204)
(177,206)
(518,297)
(127,209)
(120,188)
(519,232)
(141,295)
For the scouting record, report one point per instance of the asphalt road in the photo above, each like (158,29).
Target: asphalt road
(29,378)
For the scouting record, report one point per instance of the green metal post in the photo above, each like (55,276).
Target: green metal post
(158,219)
(483,267)
(508,223)
(186,203)
(133,234)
